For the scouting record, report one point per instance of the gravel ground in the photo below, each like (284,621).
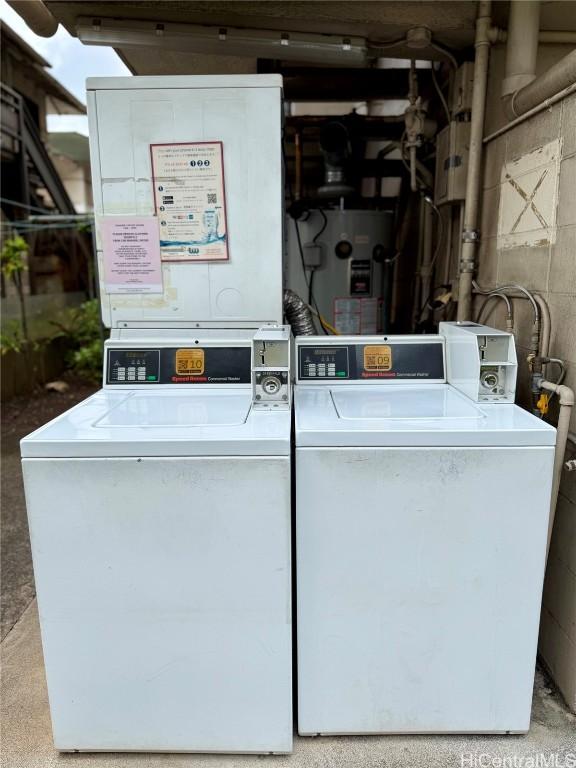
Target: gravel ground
(20,416)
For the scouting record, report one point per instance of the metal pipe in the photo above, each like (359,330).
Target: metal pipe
(509,315)
(546,36)
(36,15)
(298,165)
(545,326)
(470,234)
(559,76)
(522,45)
(448,259)
(417,284)
(559,36)
(531,112)
(413,182)
(566,396)
(427,266)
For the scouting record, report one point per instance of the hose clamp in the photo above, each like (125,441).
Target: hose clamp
(470,235)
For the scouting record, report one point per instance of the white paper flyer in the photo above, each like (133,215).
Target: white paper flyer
(190,201)
(131,254)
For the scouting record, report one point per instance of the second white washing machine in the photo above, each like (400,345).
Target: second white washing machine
(421,518)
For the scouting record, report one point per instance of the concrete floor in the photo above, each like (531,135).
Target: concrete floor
(27,743)
(25,737)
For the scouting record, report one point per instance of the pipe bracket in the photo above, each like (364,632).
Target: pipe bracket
(471,236)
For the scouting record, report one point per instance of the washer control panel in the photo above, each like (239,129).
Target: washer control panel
(133,366)
(189,364)
(391,358)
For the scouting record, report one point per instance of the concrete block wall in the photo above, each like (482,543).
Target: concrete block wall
(546,265)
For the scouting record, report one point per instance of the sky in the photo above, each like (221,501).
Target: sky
(72,62)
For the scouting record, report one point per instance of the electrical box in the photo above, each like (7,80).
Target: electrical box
(148,142)
(271,352)
(480,361)
(452,150)
(461,100)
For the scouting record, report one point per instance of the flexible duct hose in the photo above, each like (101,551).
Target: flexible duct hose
(298,314)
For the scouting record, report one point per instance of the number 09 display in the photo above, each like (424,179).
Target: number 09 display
(378,358)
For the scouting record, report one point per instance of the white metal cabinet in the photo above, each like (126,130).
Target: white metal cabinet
(245,113)
(419,577)
(164,599)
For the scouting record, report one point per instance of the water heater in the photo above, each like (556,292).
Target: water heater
(336,260)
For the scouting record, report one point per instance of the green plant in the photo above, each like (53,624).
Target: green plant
(13,265)
(81,327)
(87,360)
(11,338)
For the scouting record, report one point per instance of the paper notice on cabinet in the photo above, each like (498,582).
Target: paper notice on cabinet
(131,254)
(190,201)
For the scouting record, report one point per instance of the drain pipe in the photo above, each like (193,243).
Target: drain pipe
(521,46)
(470,234)
(522,91)
(566,396)
(560,75)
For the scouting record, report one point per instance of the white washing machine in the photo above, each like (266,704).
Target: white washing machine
(421,518)
(159,508)
(160,528)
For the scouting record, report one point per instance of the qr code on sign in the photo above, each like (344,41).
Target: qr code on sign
(212,197)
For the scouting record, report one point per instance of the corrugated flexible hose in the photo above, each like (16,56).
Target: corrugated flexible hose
(298,315)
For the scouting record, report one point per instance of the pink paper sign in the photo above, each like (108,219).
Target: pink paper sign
(131,254)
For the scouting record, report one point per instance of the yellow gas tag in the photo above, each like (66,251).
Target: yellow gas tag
(190,362)
(542,403)
(378,358)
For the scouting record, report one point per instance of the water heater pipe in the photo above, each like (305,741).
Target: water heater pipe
(470,234)
(521,46)
(522,91)
(560,75)
(566,396)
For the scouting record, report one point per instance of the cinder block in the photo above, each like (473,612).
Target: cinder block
(559,655)
(569,126)
(562,277)
(494,157)
(560,595)
(489,215)
(563,316)
(567,192)
(533,133)
(525,265)
(487,262)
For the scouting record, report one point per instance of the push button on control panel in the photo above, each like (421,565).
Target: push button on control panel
(324,363)
(133,366)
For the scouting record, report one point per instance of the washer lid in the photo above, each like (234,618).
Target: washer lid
(175,409)
(406,403)
(164,423)
(411,415)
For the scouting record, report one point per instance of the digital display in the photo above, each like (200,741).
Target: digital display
(189,361)
(377,357)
